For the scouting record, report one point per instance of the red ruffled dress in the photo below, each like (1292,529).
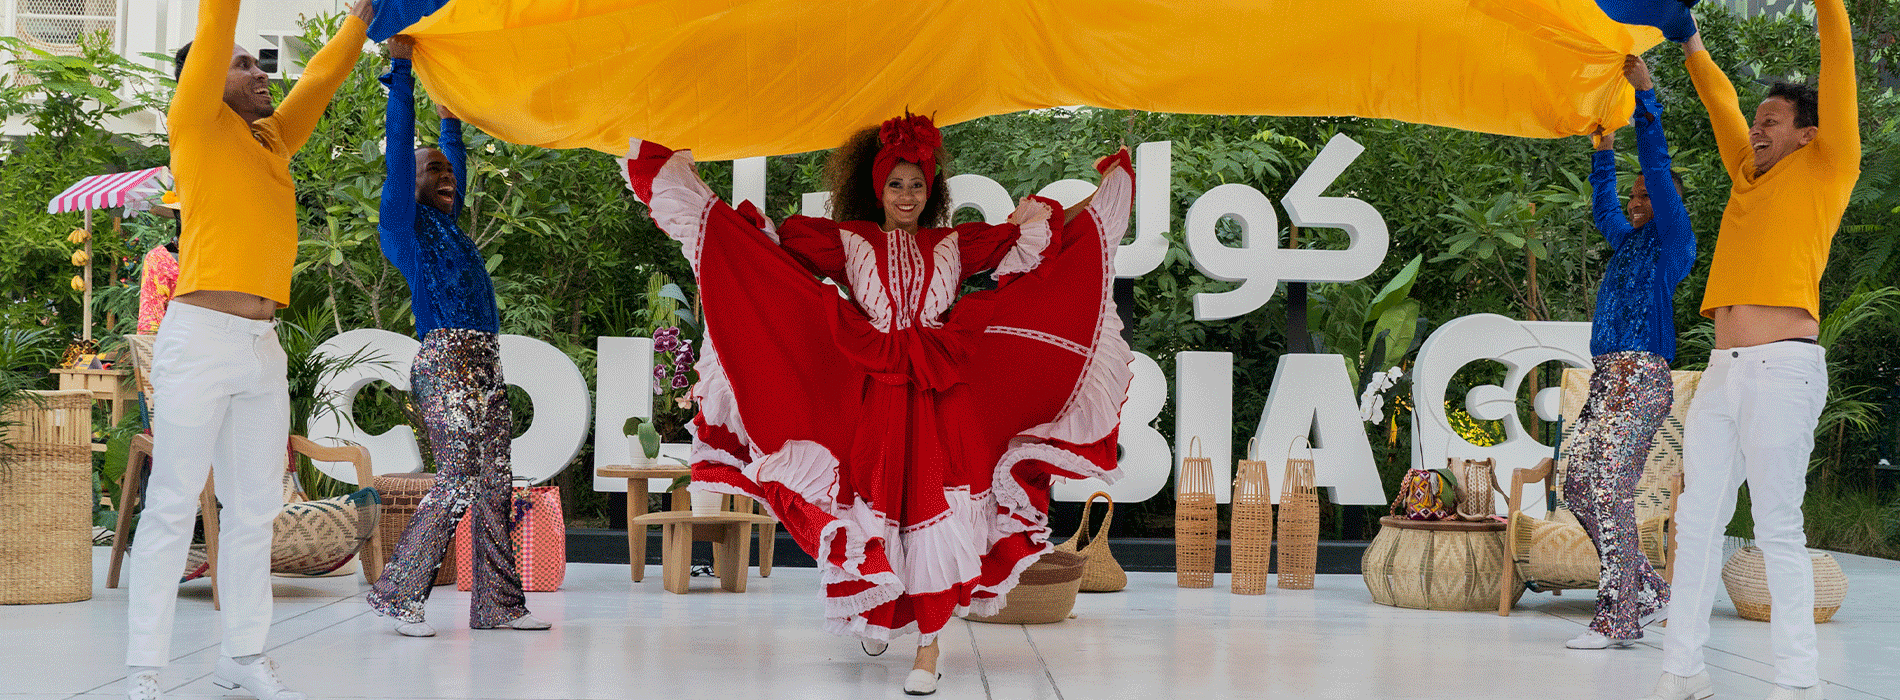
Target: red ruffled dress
(904,436)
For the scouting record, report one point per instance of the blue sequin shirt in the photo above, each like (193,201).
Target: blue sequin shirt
(448,278)
(1636,301)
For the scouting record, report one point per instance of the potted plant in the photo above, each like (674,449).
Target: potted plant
(643,443)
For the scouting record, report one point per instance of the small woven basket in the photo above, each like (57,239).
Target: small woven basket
(1299,523)
(1045,593)
(401,494)
(1251,530)
(1195,520)
(1745,575)
(46,499)
(1102,574)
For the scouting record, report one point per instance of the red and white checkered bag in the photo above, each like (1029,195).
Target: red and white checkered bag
(539,534)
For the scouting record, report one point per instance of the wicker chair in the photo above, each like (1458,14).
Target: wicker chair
(1553,553)
(138,460)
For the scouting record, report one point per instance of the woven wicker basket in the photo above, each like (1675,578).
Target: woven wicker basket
(46,500)
(1195,520)
(1044,594)
(1745,575)
(401,494)
(1102,574)
(1299,523)
(1251,530)
(1436,564)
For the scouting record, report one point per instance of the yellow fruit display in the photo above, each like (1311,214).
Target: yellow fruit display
(80,258)
(79,283)
(78,236)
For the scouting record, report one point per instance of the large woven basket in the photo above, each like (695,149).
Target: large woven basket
(46,499)
(1299,524)
(1195,520)
(1045,593)
(401,494)
(1745,575)
(1251,531)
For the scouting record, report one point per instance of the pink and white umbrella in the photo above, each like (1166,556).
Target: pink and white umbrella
(136,191)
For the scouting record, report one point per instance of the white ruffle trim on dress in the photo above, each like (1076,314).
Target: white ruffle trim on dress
(1033,234)
(680,203)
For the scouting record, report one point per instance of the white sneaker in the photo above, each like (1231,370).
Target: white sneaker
(1674,687)
(259,678)
(921,682)
(143,686)
(415,629)
(1659,615)
(1591,639)
(1782,692)
(528,622)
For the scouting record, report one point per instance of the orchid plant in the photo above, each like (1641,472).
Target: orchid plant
(670,319)
(674,376)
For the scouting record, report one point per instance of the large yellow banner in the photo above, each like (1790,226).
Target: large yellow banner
(734,79)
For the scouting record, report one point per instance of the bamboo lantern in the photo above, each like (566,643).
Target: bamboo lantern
(1251,529)
(1299,523)
(1194,520)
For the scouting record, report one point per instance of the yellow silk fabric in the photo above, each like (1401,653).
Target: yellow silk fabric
(766,77)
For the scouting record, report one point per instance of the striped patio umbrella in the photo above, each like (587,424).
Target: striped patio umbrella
(136,191)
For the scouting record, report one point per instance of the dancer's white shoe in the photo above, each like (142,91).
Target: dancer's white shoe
(259,678)
(1674,687)
(143,685)
(921,682)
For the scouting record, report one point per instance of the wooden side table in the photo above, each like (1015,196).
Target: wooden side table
(114,386)
(730,533)
(637,506)
(1436,564)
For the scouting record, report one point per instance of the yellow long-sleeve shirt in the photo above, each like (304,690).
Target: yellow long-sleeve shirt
(233,179)
(1775,233)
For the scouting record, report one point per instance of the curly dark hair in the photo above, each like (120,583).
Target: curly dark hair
(854,196)
(1806,101)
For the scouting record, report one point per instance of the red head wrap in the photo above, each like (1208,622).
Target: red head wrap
(911,138)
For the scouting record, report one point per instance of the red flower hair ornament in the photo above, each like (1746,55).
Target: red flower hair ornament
(910,138)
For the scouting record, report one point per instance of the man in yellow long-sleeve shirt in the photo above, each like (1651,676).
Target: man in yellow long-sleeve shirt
(218,371)
(1755,411)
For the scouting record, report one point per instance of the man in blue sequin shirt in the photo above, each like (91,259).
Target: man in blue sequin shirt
(1633,340)
(456,380)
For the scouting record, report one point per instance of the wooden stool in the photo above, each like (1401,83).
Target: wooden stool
(637,506)
(730,532)
(1436,564)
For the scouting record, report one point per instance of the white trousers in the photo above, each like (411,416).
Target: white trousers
(1753,418)
(222,402)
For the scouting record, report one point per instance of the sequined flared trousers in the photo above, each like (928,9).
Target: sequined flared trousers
(1630,395)
(456,382)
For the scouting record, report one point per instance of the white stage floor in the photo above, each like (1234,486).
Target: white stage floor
(616,639)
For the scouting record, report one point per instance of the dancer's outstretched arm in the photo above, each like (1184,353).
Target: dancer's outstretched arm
(450,143)
(396,227)
(1605,210)
(1839,137)
(297,117)
(1675,240)
(681,203)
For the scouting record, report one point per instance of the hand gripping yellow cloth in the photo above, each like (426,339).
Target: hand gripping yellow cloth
(734,79)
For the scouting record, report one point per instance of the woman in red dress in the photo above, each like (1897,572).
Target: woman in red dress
(904,436)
